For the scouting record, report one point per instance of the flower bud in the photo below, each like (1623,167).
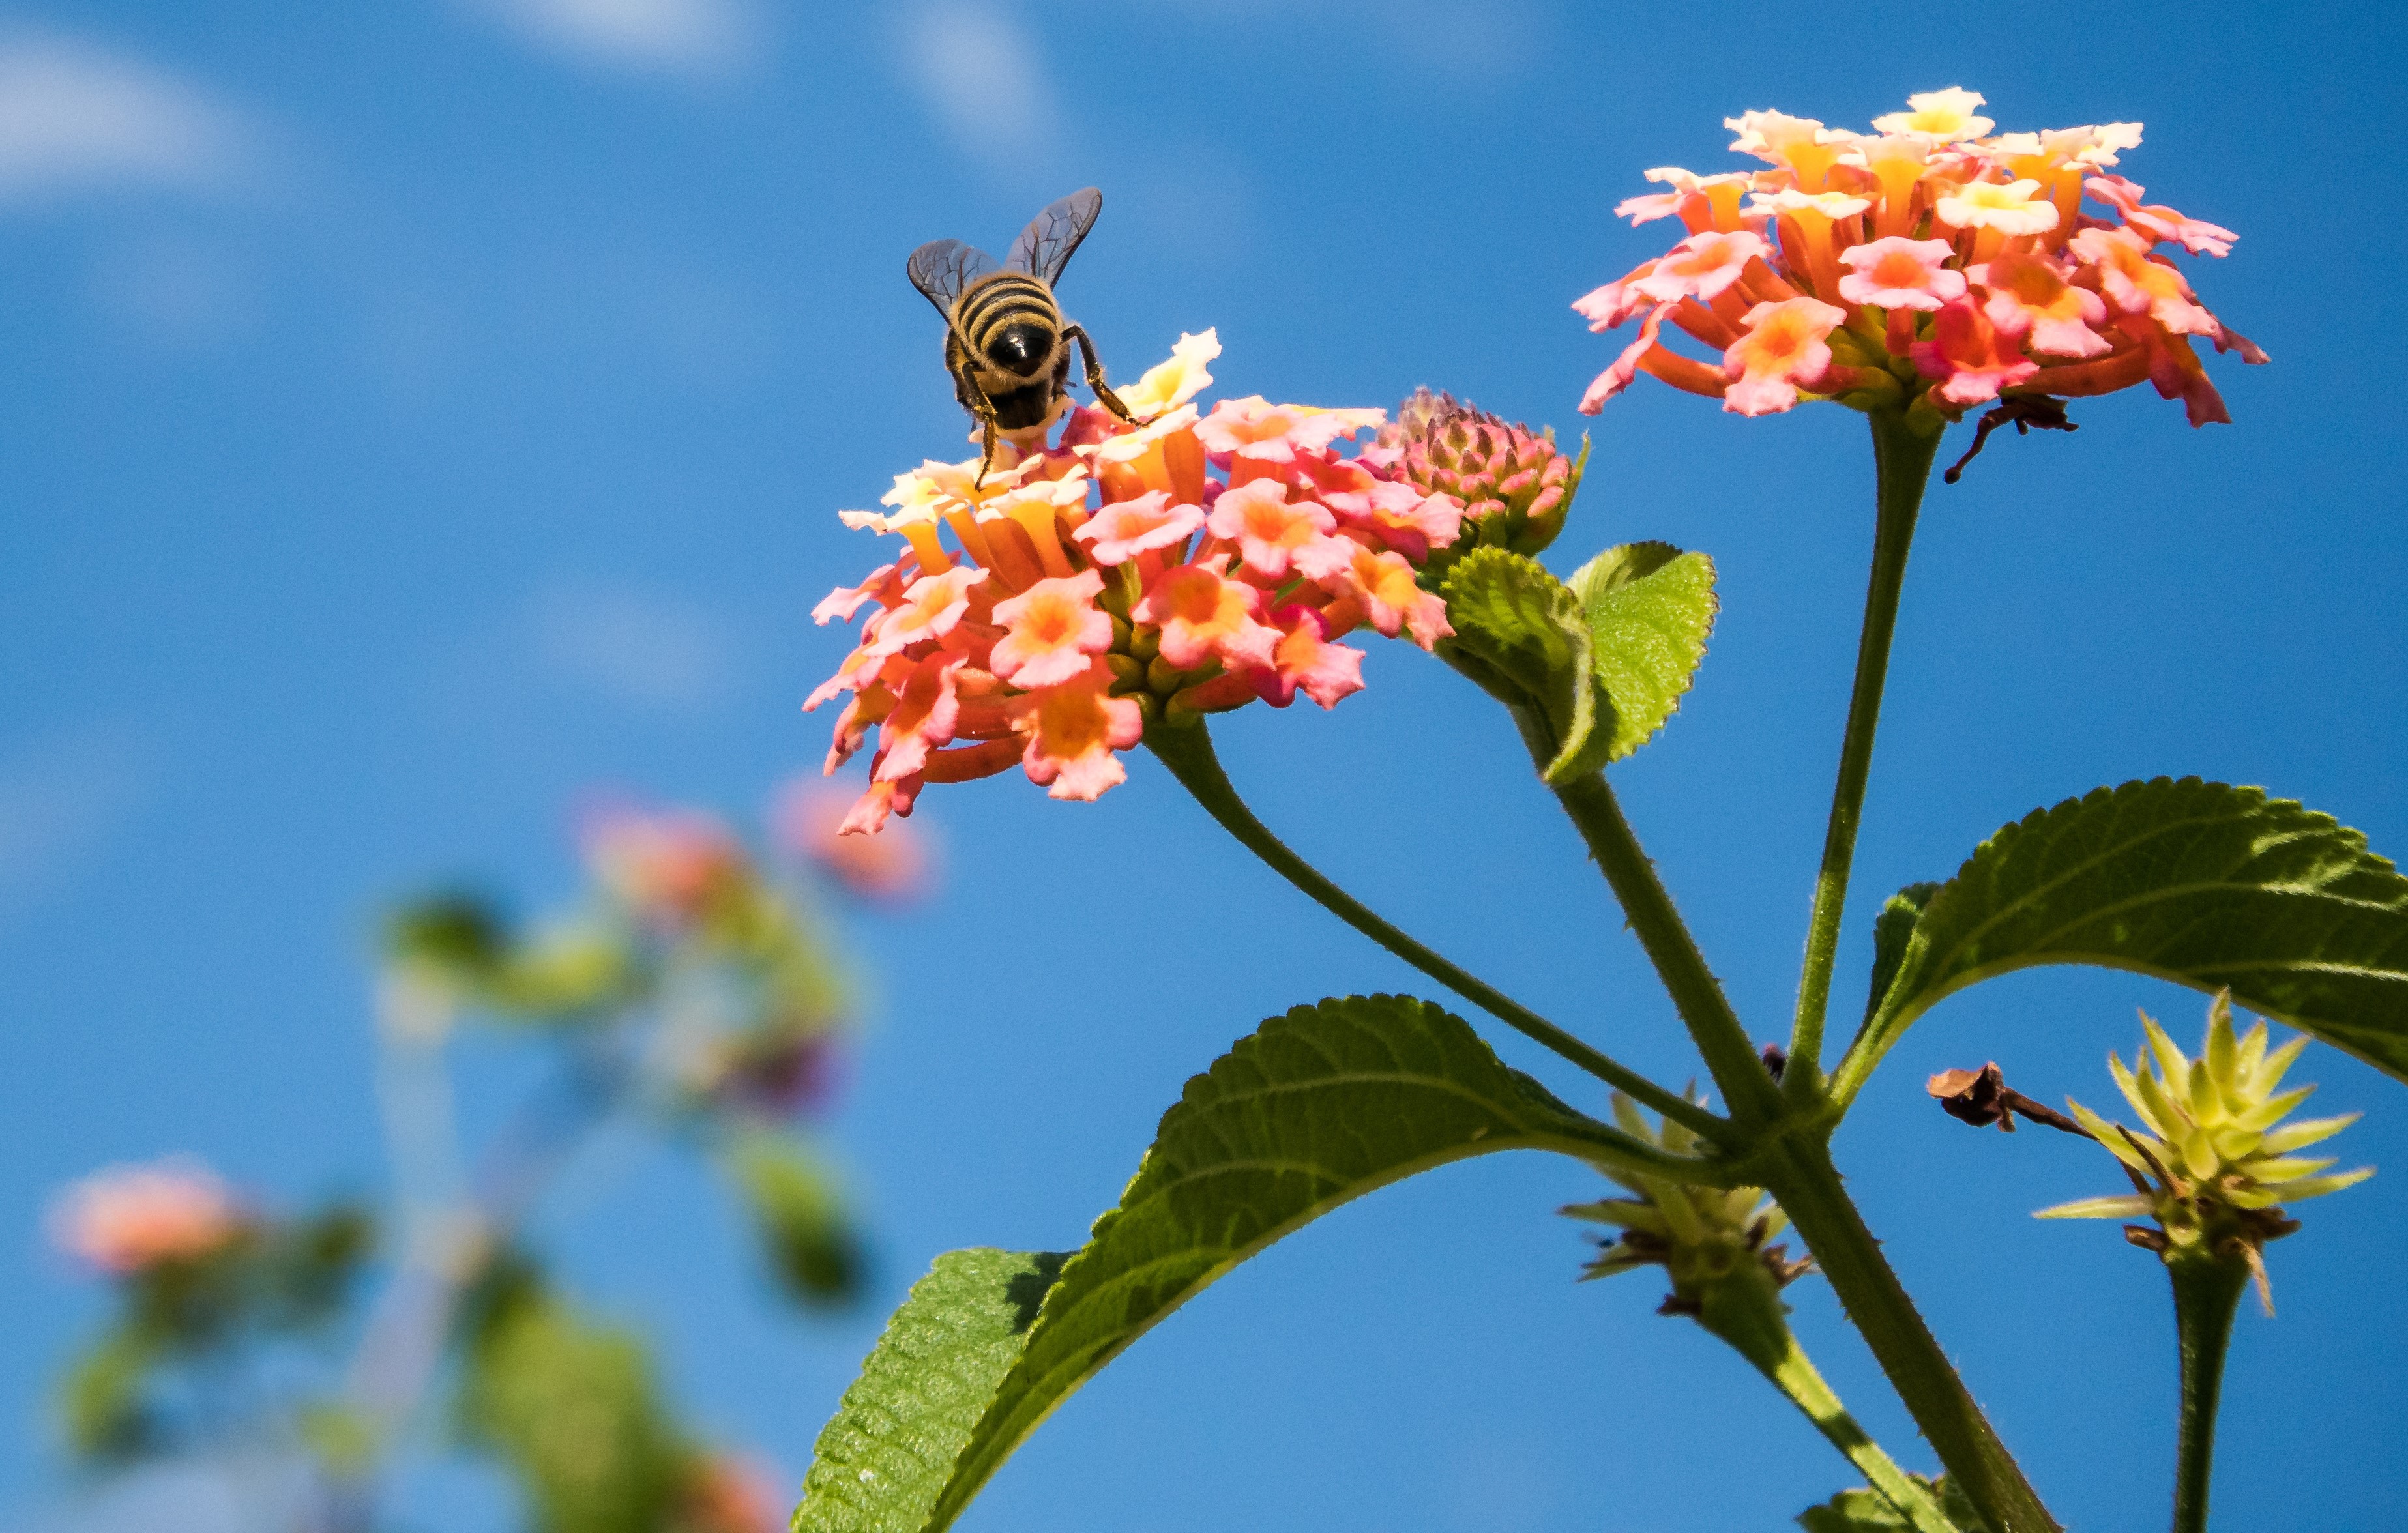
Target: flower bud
(1517,486)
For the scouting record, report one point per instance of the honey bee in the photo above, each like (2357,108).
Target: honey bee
(1007,344)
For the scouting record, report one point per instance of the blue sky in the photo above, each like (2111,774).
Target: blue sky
(417,415)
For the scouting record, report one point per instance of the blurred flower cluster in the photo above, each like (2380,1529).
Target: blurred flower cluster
(693,991)
(1931,259)
(1187,565)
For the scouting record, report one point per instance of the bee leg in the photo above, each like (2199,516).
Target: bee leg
(1104,396)
(986,454)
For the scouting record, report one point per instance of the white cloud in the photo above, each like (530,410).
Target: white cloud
(62,795)
(986,83)
(696,39)
(74,117)
(632,645)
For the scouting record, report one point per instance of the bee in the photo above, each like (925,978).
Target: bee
(1007,345)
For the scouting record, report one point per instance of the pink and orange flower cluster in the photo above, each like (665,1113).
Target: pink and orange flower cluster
(128,1219)
(1931,256)
(1190,564)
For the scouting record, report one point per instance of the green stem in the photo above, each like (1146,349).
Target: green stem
(2207,1291)
(1187,751)
(1745,1310)
(1696,993)
(1800,1175)
(1904,448)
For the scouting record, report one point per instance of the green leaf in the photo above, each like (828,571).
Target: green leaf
(1318,1108)
(809,1240)
(882,1461)
(2199,882)
(1520,634)
(1314,1110)
(572,1408)
(1649,609)
(1862,1511)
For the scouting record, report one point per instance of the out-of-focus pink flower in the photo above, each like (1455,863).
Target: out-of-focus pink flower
(127,1218)
(2015,289)
(808,823)
(669,865)
(730,1495)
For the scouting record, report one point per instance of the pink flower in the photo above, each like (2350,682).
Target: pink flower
(1969,358)
(1784,349)
(2031,301)
(927,707)
(1609,307)
(2137,282)
(1701,267)
(1203,614)
(728,1494)
(1072,730)
(1268,530)
(1410,521)
(1255,428)
(1392,598)
(808,823)
(130,1218)
(845,600)
(1055,626)
(2158,221)
(669,865)
(1127,528)
(931,606)
(1304,661)
(1897,273)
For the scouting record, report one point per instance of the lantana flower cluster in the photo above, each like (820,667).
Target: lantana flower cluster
(127,1218)
(1931,256)
(1189,563)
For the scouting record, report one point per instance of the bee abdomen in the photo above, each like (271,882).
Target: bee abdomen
(1010,323)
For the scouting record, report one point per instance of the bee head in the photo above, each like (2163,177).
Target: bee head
(1021,350)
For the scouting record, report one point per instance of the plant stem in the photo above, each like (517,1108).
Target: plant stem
(1798,1173)
(2207,1291)
(1904,448)
(1187,751)
(1745,1310)
(1696,993)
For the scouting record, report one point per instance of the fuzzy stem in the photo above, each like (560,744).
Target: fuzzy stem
(1187,751)
(1904,448)
(2207,1292)
(1745,1310)
(1696,993)
(1798,1173)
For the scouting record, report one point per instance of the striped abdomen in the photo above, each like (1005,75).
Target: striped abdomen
(1010,323)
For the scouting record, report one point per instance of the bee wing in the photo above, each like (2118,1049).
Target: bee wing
(942,267)
(1043,249)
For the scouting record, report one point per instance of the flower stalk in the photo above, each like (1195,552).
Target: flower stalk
(2207,1295)
(1798,1173)
(1187,751)
(1904,444)
(1738,1070)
